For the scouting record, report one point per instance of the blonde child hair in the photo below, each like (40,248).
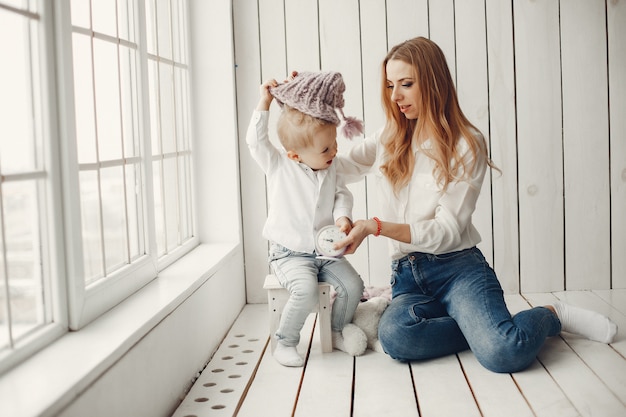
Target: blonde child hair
(296,130)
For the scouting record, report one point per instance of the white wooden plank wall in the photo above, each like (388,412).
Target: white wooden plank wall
(544,80)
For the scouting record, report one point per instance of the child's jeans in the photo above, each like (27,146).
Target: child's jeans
(443,304)
(299,273)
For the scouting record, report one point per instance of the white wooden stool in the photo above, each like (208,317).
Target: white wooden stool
(277,297)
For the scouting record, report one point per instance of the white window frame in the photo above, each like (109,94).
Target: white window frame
(87,302)
(73,305)
(52,253)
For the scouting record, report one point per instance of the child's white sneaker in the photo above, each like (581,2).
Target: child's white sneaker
(288,356)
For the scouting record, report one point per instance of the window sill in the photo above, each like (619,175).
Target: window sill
(52,378)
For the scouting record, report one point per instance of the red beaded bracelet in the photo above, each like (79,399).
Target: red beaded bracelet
(379,226)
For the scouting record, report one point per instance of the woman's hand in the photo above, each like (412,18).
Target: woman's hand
(357,234)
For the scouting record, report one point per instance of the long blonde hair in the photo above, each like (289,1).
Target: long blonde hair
(440,116)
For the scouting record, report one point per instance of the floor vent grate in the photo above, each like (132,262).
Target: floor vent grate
(223,382)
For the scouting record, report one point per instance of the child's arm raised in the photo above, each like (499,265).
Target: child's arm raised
(266,97)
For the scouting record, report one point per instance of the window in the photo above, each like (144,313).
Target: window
(95,159)
(171,150)
(24,178)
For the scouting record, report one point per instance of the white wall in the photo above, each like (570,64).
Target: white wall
(151,378)
(536,76)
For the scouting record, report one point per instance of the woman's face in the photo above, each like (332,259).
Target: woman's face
(403,88)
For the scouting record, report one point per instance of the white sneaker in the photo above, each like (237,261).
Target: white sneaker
(288,356)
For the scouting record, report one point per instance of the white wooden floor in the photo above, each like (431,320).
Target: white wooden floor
(571,376)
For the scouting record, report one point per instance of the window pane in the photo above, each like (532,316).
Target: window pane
(182,110)
(80,13)
(126,18)
(164,30)
(178,32)
(167,110)
(135,210)
(104,16)
(5,332)
(185,197)
(17,146)
(150,26)
(23,177)
(107,100)
(109,142)
(23,257)
(114,218)
(155,130)
(169,106)
(83,98)
(21,4)
(91,226)
(159,210)
(171,198)
(130,116)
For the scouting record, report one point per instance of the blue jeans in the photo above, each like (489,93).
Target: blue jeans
(299,273)
(443,304)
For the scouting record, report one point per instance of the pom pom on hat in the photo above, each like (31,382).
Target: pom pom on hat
(318,94)
(352,126)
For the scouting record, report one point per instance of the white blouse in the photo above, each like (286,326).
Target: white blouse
(440,222)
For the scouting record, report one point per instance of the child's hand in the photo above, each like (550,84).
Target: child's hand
(344,224)
(266,96)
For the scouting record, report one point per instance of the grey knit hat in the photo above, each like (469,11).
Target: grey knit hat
(318,94)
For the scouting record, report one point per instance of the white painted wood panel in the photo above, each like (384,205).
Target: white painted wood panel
(374,50)
(616,34)
(472,89)
(496,394)
(324,370)
(585,144)
(370,370)
(538,81)
(442,389)
(275,387)
(617,298)
(441,30)
(253,196)
(549,96)
(406,19)
(273,42)
(302,35)
(503,141)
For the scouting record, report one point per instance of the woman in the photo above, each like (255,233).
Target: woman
(430,162)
